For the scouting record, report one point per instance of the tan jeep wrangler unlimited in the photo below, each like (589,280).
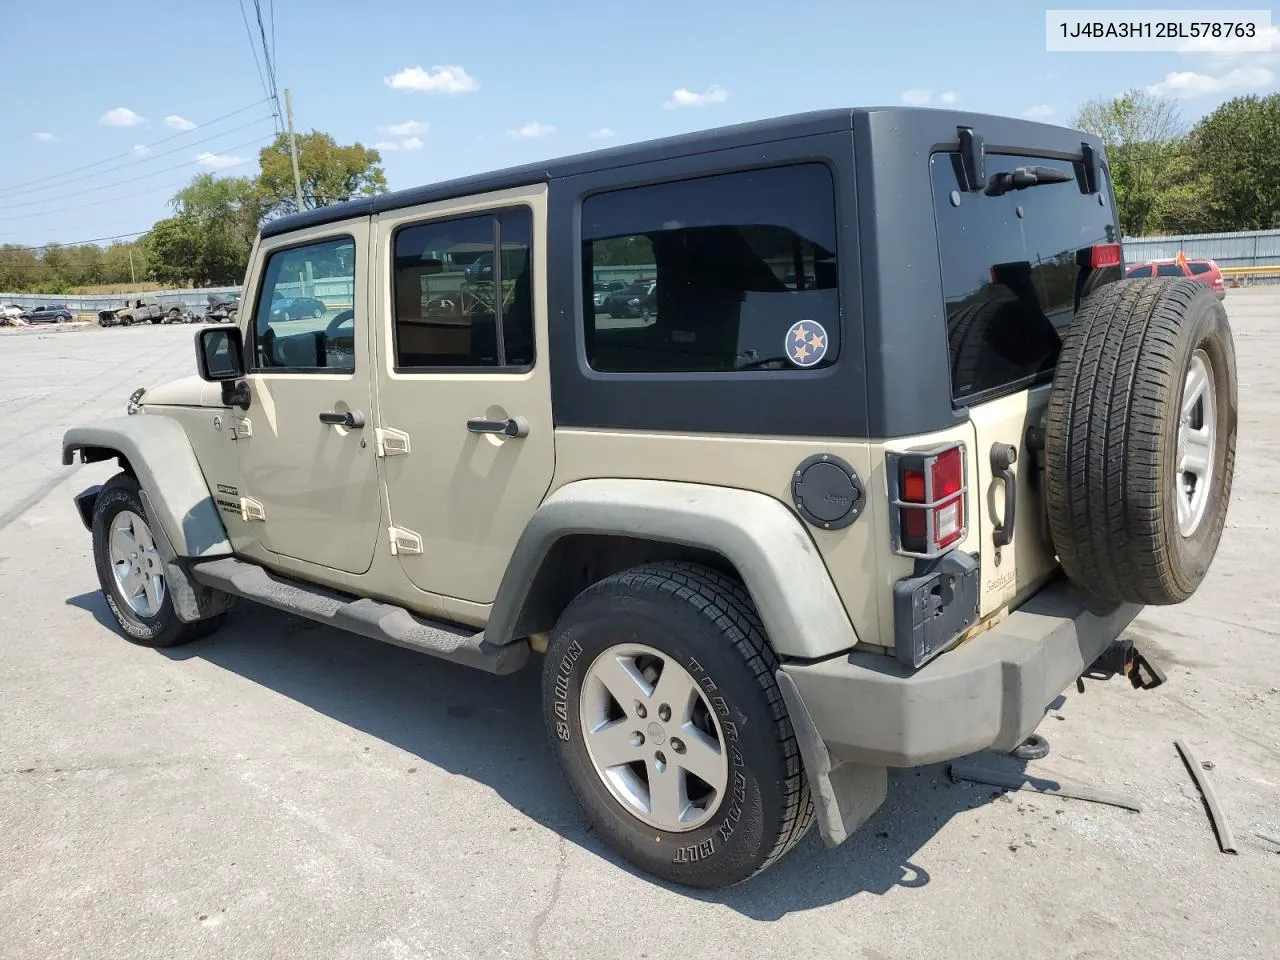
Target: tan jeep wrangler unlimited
(890,457)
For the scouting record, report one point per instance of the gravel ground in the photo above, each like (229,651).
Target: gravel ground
(283,790)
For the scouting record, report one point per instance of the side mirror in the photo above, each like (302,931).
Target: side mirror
(220,353)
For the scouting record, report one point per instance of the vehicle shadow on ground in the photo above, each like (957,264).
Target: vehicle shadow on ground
(490,729)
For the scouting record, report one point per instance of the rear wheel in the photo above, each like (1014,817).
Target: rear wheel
(131,571)
(664,714)
(1140,440)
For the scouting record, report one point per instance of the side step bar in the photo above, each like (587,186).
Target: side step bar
(368,618)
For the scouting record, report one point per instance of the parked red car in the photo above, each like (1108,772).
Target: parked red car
(1205,271)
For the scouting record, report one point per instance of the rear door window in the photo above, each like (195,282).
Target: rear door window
(1199,268)
(1169,270)
(1014,268)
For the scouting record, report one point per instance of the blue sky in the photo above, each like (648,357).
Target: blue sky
(465,87)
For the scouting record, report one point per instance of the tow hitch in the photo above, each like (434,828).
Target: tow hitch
(1124,657)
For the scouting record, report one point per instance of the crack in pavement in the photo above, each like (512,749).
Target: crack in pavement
(540,919)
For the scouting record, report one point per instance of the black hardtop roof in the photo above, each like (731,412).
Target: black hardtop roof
(704,141)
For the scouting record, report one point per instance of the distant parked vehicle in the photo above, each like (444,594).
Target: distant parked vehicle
(141,310)
(11,315)
(637,300)
(56,313)
(222,307)
(298,308)
(1204,270)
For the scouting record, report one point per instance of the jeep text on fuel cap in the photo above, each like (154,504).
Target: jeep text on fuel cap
(827,491)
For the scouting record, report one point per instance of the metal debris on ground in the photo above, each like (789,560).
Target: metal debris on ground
(1226,840)
(978,772)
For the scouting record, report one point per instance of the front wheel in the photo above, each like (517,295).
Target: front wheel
(663,711)
(131,571)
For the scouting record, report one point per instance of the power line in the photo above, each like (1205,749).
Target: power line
(134,163)
(119,183)
(13,247)
(253,47)
(127,153)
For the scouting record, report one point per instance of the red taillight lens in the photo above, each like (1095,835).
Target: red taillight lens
(913,486)
(948,479)
(930,500)
(1104,255)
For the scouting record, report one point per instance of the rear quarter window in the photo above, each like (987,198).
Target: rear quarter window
(1199,268)
(1014,268)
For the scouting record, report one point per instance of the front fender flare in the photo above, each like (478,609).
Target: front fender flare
(158,452)
(779,563)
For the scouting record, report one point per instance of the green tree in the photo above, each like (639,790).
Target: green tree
(209,240)
(1237,149)
(21,269)
(1143,138)
(329,173)
(124,262)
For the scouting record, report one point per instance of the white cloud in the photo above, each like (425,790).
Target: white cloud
(917,98)
(1187,83)
(950,96)
(687,98)
(44,137)
(120,117)
(437,80)
(604,133)
(219,161)
(408,129)
(140,150)
(531,130)
(178,123)
(410,143)
(1039,110)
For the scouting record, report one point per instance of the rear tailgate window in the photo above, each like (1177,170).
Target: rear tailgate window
(1014,267)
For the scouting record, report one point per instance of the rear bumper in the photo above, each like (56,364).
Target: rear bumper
(991,692)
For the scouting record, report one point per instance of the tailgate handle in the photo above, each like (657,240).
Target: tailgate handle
(1003,456)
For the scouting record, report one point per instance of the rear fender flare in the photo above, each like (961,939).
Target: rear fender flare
(157,451)
(768,545)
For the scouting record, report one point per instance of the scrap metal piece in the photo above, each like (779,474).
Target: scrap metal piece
(979,773)
(1226,840)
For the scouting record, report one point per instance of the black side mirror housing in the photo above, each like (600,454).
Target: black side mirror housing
(220,353)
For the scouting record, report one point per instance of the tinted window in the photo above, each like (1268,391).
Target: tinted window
(731,272)
(306,309)
(1142,270)
(1014,268)
(463,292)
(1199,268)
(1169,270)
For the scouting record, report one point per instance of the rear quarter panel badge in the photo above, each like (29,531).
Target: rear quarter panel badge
(806,343)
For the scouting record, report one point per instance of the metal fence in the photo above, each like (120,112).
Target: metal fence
(196,300)
(1250,248)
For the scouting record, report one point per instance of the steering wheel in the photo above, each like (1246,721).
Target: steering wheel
(345,318)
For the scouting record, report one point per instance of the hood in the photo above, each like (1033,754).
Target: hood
(186,392)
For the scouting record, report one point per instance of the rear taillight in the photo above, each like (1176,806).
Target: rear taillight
(927,493)
(1104,255)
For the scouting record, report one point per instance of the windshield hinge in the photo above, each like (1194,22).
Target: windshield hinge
(973,160)
(1089,156)
(251,509)
(391,442)
(404,541)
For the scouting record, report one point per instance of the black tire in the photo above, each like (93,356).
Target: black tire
(1111,439)
(706,622)
(164,629)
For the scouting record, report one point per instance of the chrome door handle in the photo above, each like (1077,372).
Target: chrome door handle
(353,419)
(512,427)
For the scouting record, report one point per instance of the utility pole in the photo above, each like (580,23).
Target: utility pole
(293,147)
(133,276)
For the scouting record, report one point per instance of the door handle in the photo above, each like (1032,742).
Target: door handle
(353,419)
(512,427)
(1003,456)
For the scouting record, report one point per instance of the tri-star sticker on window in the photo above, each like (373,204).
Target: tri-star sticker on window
(806,343)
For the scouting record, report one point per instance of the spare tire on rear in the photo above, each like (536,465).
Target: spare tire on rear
(1140,440)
